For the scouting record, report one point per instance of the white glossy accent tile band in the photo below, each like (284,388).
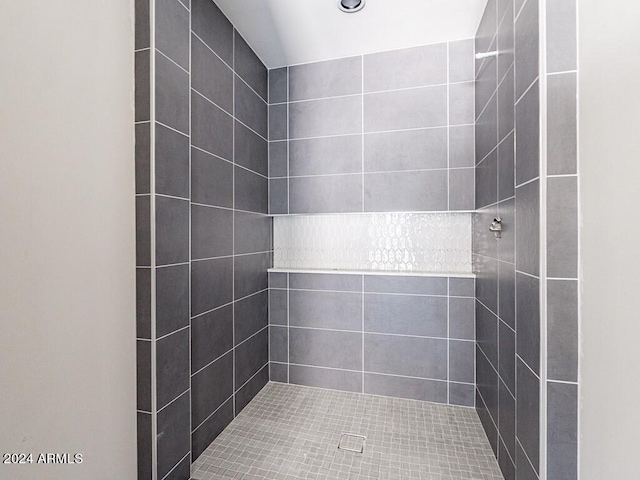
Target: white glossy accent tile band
(398,242)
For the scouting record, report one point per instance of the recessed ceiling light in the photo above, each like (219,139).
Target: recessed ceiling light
(351,6)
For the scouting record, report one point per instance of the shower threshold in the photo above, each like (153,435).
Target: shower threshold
(291,432)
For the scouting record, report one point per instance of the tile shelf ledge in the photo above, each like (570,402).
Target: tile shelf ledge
(420,212)
(396,273)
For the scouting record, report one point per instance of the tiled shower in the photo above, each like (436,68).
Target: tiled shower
(326,225)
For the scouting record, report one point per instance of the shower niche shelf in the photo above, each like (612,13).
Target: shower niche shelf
(372,272)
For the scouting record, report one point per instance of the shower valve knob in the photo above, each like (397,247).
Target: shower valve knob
(496,227)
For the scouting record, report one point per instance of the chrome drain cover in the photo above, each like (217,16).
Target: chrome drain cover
(351,443)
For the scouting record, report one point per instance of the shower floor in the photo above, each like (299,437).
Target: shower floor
(289,432)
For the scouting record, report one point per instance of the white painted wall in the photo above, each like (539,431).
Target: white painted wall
(610,177)
(67,304)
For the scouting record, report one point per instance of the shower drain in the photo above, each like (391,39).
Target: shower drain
(351,443)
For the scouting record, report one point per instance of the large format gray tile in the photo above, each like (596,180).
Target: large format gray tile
(143,231)
(506,168)
(528,320)
(322,156)
(507,293)
(325,348)
(406,150)
(211,285)
(211,127)
(278,159)
(250,273)
(251,151)
(145,439)
(528,413)
(278,196)
(250,108)
(462,318)
(172,31)
(143,303)
(173,434)
(462,361)
(172,94)
(278,280)
(462,287)
(461,60)
(527,38)
(562,333)
(172,366)
(182,470)
(462,189)
(251,356)
(249,390)
(332,310)
(211,232)
(490,429)
(403,109)
(142,100)
(143,375)
(279,372)
(406,315)
(320,281)
(172,299)
(210,76)
(461,103)
(172,162)
(487,333)
(211,180)
(211,336)
(326,194)
(487,130)
(562,431)
(278,121)
(143,158)
(523,465)
(402,387)
(406,68)
(251,191)
(279,344)
(250,315)
(326,378)
(406,356)
(278,86)
(206,433)
(172,230)
(406,285)
(462,394)
(506,102)
(562,126)
(462,146)
(507,348)
(487,28)
(330,78)
(252,233)
(528,136)
(410,191)
(507,243)
(210,24)
(487,383)
(486,85)
(210,388)
(487,282)
(247,64)
(562,36)
(562,227)
(142,29)
(505,40)
(528,228)
(507,419)
(330,116)
(278,307)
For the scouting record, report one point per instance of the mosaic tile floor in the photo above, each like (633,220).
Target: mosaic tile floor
(290,432)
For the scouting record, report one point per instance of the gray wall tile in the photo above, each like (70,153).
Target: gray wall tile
(171,162)
(250,273)
(562,431)
(211,336)
(211,128)
(330,78)
(278,306)
(247,393)
(507,293)
(486,186)
(406,68)
(506,40)
(562,227)
(462,365)
(408,356)
(487,282)
(507,419)
(528,228)
(462,189)
(326,194)
(562,136)
(406,315)
(172,94)
(506,168)
(462,287)
(487,130)
(403,109)
(251,191)
(332,310)
(329,155)
(250,315)
(249,67)
(487,384)
(507,243)
(278,280)
(143,303)
(172,230)
(250,109)
(182,469)
(487,333)
(173,434)
(528,413)
(320,281)
(506,101)
(487,28)
(251,151)
(461,103)
(462,146)
(523,465)
(411,191)
(331,116)
(144,437)
(142,86)
(211,387)
(461,61)
(251,356)
(278,122)
(486,84)
(414,388)
(143,158)
(172,366)
(279,344)
(210,286)
(404,284)
(212,427)
(172,299)
(406,150)
(490,428)
(278,159)
(527,38)
(211,232)
(325,348)
(142,29)
(210,76)
(562,333)
(143,230)
(528,320)
(462,394)
(278,372)
(562,36)
(507,348)
(278,86)
(278,196)
(211,180)
(210,24)
(252,233)
(326,378)
(143,375)
(462,318)
(172,31)
(528,136)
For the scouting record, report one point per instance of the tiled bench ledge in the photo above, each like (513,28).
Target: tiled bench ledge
(374,272)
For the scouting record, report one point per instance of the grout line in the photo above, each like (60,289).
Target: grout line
(376,132)
(172,333)
(189,452)
(230,256)
(190,238)
(180,395)
(172,60)
(230,397)
(367,332)
(173,129)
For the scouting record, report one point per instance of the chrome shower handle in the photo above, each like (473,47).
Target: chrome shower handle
(496,227)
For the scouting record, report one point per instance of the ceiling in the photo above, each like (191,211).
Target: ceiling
(288,32)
